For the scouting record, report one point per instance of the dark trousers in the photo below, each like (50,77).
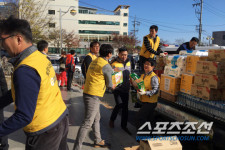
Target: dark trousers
(141,64)
(53,139)
(69,79)
(3,140)
(146,113)
(121,103)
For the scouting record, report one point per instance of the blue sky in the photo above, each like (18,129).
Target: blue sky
(176,18)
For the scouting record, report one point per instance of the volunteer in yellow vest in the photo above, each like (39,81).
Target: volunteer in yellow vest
(94,49)
(121,92)
(98,78)
(149,97)
(39,107)
(150,46)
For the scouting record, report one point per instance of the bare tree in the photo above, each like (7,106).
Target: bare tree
(179,41)
(35,12)
(162,41)
(70,39)
(123,40)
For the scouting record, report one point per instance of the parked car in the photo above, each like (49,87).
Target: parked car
(56,65)
(82,59)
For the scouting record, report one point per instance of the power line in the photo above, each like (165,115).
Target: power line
(214,12)
(148,21)
(216,9)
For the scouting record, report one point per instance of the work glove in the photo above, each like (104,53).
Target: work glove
(142,92)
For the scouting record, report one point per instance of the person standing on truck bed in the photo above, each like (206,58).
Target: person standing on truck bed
(189,46)
(150,46)
(94,49)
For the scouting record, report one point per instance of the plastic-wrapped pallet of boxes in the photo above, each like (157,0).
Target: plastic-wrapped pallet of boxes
(209,81)
(194,52)
(175,65)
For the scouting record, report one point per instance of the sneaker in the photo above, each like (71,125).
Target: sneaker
(127,131)
(111,124)
(102,144)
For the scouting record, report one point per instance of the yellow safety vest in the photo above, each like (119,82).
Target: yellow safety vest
(144,52)
(95,81)
(93,57)
(117,66)
(50,105)
(148,87)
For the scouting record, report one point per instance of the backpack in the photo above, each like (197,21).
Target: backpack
(70,66)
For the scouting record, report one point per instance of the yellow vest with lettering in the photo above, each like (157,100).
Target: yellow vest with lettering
(148,87)
(144,52)
(117,66)
(50,105)
(95,81)
(93,57)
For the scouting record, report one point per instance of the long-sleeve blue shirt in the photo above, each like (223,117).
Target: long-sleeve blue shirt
(27,85)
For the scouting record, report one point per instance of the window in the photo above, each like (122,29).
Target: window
(97,32)
(223,37)
(83,11)
(124,24)
(124,33)
(98,22)
(125,14)
(51,12)
(51,25)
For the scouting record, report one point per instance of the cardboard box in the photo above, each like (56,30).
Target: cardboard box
(160,63)
(191,63)
(217,54)
(223,94)
(137,82)
(211,81)
(168,96)
(170,84)
(144,145)
(210,67)
(206,93)
(173,71)
(196,90)
(211,94)
(170,143)
(186,81)
(132,148)
(117,78)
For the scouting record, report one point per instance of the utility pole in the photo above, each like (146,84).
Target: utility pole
(135,23)
(198,12)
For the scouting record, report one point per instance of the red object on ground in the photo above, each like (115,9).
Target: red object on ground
(63,78)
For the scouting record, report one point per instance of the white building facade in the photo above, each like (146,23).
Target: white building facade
(88,23)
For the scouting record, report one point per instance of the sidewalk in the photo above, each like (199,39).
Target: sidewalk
(117,137)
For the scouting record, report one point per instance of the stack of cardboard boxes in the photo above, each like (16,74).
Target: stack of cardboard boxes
(187,79)
(171,79)
(209,82)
